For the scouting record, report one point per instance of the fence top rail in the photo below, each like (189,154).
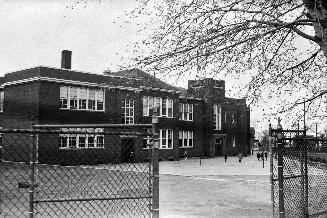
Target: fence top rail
(91,125)
(48,131)
(305,139)
(288,130)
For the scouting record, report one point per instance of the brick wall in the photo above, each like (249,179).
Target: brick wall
(21,105)
(40,101)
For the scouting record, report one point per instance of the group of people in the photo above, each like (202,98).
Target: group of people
(261,155)
(239,155)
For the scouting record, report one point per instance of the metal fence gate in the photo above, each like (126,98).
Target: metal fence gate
(298,174)
(79,171)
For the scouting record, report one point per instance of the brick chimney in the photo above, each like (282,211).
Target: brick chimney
(66,59)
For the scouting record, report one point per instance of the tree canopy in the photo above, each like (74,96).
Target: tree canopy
(278,47)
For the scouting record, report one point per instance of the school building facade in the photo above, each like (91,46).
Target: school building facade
(200,120)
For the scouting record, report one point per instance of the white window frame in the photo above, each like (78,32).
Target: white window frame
(82,94)
(97,139)
(60,141)
(149,102)
(186,111)
(217,116)
(82,97)
(64,97)
(128,111)
(188,135)
(2,97)
(166,138)
(169,107)
(99,99)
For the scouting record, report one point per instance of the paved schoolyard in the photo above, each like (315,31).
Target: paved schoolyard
(215,188)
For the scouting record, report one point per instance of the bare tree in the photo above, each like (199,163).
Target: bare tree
(275,45)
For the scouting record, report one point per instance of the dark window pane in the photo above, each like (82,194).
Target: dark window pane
(90,142)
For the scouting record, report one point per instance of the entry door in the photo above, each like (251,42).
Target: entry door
(218,147)
(128,150)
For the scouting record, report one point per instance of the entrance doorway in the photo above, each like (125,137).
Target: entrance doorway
(128,150)
(218,147)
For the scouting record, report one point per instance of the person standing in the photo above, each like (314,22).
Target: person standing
(240,157)
(258,156)
(262,156)
(185,155)
(225,157)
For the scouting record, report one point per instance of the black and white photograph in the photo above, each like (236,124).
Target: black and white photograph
(163,108)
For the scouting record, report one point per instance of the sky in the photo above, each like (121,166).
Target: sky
(34,32)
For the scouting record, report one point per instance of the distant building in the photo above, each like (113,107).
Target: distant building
(201,119)
(252,138)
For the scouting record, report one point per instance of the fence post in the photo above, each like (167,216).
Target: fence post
(271,171)
(280,170)
(32,176)
(304,177)
(306,205)
(155,159)
(1,145)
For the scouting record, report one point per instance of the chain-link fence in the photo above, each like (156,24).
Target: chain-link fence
(77,171)
(299,175)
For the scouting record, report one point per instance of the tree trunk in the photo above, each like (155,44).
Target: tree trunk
(317,11)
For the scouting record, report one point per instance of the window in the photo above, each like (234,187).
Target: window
(128,111)
(90,141)
(164,106)
(72,139)
(145,101)
(170,138)
(63,97)
(82,99)
(166,138)
(82,141)
(87,140)
(190,139)
(99,99)
(73,97)
(2,97)
(217,116)
(157,104)
(234,142)
(170,107)
(147,106)
(186,111)
(100,141)
(77,98)
(63,141)
(91,105)
(185,139)
(163,138)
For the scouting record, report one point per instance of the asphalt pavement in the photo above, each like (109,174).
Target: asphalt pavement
(211,187)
